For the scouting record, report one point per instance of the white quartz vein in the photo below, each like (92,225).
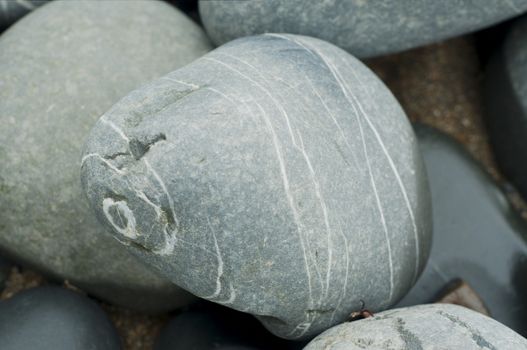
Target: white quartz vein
(400,183)
(192,85)
(344,89)
(130,230)
(105,161)
(170,238)
(346,275)
(220,265)
(299,148)
(115,128)
(289,195)
(322,202)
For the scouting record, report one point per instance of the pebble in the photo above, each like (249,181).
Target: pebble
(53,318)
(276,175)
(433,326)
(364,28)
(61,68)
(478,237)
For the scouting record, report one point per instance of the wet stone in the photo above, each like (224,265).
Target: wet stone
(436,326)
(477,236)
(74,60)
(54,318)
(364,28)
(238,177)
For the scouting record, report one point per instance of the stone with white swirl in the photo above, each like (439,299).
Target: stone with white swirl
(433,326)
(276,175)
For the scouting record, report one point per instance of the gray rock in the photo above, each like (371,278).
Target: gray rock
(276,175)
(478,237)
(364,28)
(506,105)
(12,10)
(61,67)
(53,318)
(434,326)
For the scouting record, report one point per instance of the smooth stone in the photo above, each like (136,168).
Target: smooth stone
(61,67)
(12,10)
(216,327)
(434,326)
(276,175)
(53,318)
(506,105)
(363,28)
(478,237)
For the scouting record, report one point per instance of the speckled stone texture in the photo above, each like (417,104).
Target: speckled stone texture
(12,10)
(61,68)
(276,175)
(436,326)
(506,105)
(364,28)
(478,236)
(54,318)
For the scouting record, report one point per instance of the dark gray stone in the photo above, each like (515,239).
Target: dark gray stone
(5,268)
(61,67)
(214,327)
(506,105)
(364,28)
(477,235)
(12,10)
(276,175)
(53,318)
(435,326)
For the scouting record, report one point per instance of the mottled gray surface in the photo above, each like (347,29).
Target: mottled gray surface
(53,318)
(276,175)
(364,28)
(506,105)
(478,236)
(433,326)
(61,68)
(12,10)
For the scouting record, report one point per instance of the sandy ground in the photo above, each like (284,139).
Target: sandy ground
(438,85)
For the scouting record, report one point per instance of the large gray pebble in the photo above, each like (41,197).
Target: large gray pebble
(435,326)
(364,28)
(276,175)
(61,67)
